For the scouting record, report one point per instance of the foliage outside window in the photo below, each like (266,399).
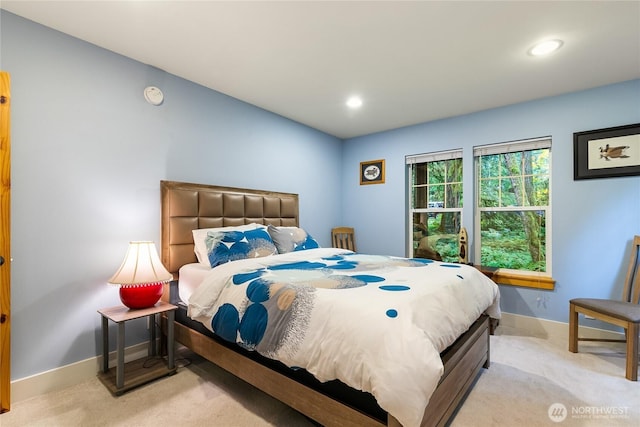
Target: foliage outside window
(512,225)
(435,204)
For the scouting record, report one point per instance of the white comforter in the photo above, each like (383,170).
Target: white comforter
(376,323)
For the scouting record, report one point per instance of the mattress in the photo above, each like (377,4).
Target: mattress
(191,275)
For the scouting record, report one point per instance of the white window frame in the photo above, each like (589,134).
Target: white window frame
(427,158)
(503,148)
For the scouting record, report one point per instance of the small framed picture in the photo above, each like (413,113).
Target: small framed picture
(606,153)
(372,172)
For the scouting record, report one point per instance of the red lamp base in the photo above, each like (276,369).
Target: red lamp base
(140,296)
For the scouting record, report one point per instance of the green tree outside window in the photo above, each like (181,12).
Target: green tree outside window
(513,204)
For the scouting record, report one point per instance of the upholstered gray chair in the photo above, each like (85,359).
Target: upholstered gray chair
(344,238)
(624,313)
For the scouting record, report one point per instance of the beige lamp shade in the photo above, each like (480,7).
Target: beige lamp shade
(141,265)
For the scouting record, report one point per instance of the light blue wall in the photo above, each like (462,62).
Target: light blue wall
(593,220)
(87,156)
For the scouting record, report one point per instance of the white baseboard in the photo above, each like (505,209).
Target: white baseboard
(551,329)
(66,376)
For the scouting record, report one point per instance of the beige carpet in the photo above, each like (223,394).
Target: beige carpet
(527,376)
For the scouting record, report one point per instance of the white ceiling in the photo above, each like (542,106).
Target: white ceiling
(411,62)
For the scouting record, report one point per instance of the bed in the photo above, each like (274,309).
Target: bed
(328,401)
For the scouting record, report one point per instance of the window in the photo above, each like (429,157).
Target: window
(435,204)
(513,215)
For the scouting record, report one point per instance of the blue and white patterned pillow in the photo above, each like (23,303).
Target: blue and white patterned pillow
(200,235)
(225,246)
(289,239)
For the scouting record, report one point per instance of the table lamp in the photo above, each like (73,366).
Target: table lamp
(141,276)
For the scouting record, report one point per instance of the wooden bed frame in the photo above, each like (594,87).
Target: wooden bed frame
(187,206)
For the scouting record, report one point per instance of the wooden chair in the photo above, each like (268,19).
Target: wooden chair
(625,313)
(344,238)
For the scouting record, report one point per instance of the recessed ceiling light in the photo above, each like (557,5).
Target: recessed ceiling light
(354,102)
(545,48)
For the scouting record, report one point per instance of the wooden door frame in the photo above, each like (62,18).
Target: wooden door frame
(5,242)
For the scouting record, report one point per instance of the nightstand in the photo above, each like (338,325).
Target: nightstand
(138,371)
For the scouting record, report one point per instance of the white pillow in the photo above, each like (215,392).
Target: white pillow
(200,235)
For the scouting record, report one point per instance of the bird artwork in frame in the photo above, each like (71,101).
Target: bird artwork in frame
(372,172)
(606,153)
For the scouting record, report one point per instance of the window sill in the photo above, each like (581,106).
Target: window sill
(515,279)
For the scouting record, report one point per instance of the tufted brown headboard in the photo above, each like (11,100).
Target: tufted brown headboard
(187,206)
